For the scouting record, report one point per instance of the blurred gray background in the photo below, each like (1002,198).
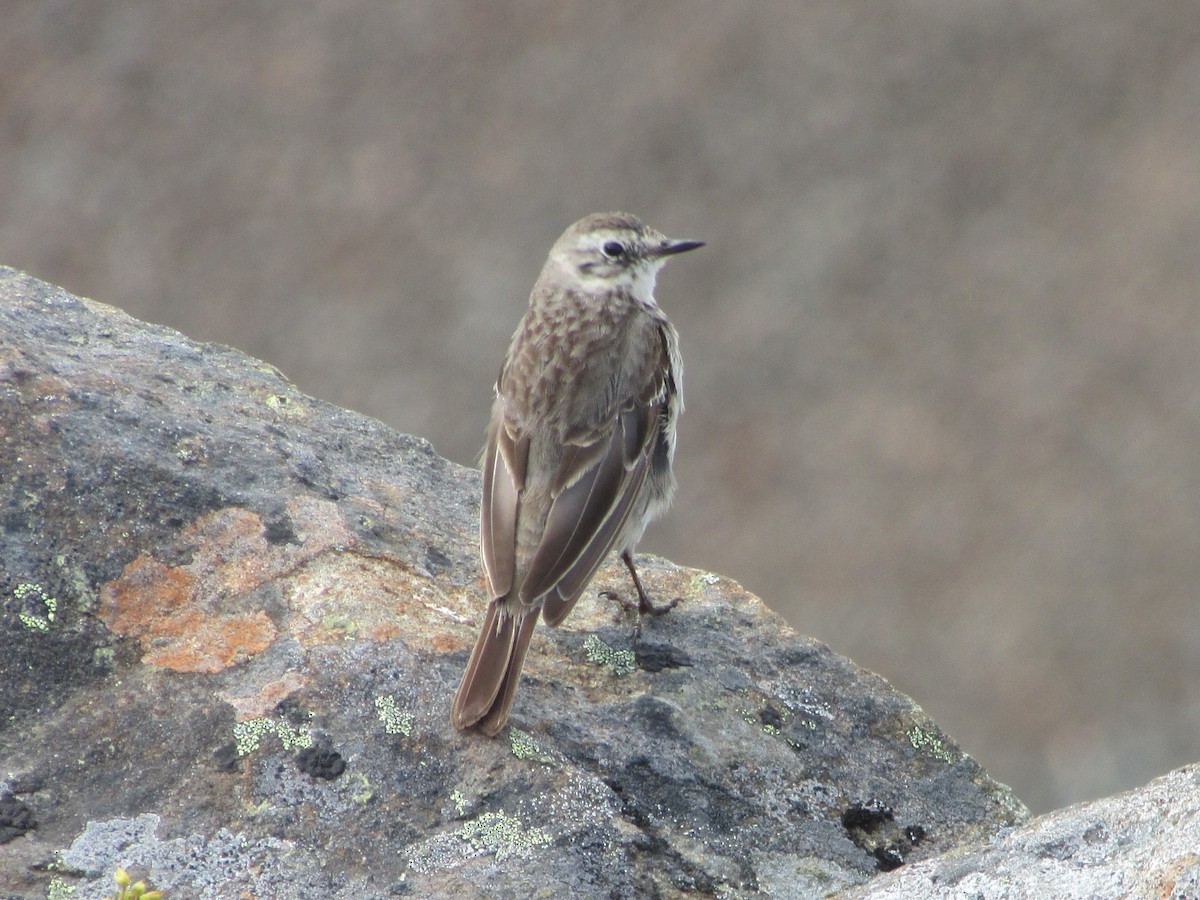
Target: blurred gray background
(942,349)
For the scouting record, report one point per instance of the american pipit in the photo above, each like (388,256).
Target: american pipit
(580,444)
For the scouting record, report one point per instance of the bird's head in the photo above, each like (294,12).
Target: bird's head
(615,250)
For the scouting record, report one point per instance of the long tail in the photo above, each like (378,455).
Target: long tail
(490,682)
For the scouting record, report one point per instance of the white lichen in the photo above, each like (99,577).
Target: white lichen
(395,721)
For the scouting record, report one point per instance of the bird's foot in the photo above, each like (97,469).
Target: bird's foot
(642,607)
(647,608)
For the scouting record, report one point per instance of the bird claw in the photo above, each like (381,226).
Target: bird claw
(646,608)
(627,605)
(643,607)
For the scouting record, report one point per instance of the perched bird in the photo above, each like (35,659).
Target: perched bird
(580,444)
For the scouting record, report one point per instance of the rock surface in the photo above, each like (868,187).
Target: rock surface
(1143,843)
(233,619)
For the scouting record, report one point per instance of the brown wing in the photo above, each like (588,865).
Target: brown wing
(595,491)
(576,577)
(504,462)
(600,482)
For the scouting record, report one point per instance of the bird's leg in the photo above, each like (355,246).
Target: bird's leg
(645,606)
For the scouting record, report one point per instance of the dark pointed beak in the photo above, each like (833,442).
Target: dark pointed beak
(670,248)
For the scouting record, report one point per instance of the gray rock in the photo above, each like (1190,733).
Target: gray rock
(1143,843)
(234,617)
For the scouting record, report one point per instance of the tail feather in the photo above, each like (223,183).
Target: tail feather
(491,723)
(489,683)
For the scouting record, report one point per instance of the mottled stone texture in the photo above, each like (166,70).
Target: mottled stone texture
(1143,843)
(234,616)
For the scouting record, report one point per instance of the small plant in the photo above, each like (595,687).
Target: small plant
(135,891)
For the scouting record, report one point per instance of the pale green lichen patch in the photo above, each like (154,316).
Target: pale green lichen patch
(340,624)
(931,744)
(249,734)
(395,721)
(493,832)
(59,889)
(702,580)
(39,608)
(621,662)
(502,834)
(459,801)
(190,449)
(285,406)
(523,745)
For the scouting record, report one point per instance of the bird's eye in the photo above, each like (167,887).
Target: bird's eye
(614,249)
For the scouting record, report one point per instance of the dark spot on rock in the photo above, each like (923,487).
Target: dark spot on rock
(1061,849)
(320,763)
(655,718)
(656,657)
(280,531)
(15,819)
(872,826)
(770,717)
(25,782)
(436,561)
(291,709)
(227,759)
(867,816)
(310,470)
(800,654)
(888,858)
